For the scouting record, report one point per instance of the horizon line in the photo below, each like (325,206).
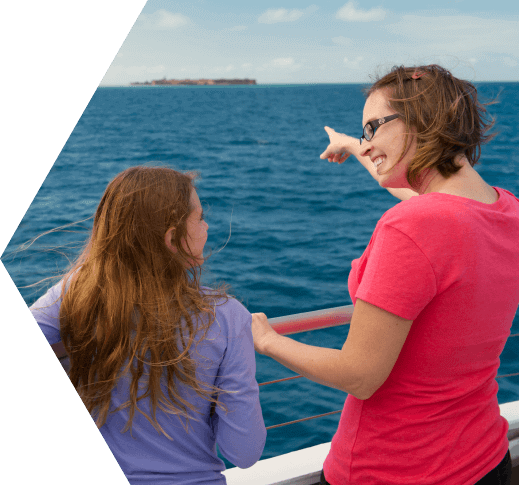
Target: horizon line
(264,84)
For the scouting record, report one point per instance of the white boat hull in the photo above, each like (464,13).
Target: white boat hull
(304,467)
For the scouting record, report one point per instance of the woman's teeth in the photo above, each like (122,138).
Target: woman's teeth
(378,161)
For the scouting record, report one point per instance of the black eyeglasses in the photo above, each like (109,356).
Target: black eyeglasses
(371,127)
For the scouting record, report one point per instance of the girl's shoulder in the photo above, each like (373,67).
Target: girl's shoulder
(229,311)
(51,297)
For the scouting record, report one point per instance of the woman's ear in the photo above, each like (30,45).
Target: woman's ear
(168,239)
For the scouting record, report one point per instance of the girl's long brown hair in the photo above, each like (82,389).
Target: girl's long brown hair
(446,113)
(133,307)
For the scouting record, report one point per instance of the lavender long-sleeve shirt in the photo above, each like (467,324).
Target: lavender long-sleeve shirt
(226,359)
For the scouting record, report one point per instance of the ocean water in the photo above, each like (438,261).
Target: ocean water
(295,222)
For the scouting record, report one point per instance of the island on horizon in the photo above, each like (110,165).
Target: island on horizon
(194,82)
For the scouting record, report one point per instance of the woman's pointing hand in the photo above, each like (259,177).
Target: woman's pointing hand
(340,147)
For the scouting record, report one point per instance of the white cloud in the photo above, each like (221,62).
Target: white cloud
(341,40)
(350,13)
(238,28)
(246,65)
(283,62)
(458,34)
(224,69)
(192,71)
(275,15)
(354,63)
(287,64)
(510,62)
(163,20)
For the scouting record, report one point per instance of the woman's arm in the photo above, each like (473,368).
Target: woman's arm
(342,146)
(365,361)
(318,364)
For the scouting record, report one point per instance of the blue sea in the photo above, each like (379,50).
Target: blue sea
(284,225)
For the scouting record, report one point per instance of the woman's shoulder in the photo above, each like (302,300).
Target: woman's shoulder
(430,216)
(507,196)
(418,209)
(425,218)
(443,205)
(439,207)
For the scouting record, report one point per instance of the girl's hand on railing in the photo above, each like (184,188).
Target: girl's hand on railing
(341,146)
(262,332)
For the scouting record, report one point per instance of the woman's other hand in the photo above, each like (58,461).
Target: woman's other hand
(262,332)
(340,147)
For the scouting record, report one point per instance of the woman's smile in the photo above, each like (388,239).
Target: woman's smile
(386,147)
(379,161)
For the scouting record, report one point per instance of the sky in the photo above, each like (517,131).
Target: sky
(322,42)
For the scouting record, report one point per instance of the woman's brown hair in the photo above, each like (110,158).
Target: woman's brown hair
(445,112)
(131,306)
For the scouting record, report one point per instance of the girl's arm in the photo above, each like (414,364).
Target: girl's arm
(240,433)
(59,350)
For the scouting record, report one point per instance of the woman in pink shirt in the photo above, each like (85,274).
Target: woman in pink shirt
(435,293)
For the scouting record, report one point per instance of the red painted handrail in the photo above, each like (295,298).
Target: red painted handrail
(303,322)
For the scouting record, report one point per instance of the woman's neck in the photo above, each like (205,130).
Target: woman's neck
(464,183)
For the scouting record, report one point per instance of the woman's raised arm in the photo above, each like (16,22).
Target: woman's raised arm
(342,146)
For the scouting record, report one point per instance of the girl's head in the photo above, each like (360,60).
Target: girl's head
(132,301)
(439,121)
(151,216)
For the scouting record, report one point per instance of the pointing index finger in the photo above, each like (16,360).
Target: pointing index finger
(329,130)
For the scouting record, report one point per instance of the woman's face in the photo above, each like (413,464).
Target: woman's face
(385,147)
(196,232)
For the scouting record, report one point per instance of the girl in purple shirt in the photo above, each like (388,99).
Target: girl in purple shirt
(165,366)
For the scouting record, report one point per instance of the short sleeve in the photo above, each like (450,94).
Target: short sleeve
(397,277)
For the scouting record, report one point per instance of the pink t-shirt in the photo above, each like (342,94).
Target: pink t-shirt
(451,265)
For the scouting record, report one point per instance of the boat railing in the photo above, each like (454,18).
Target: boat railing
(303,467)
(316,320)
